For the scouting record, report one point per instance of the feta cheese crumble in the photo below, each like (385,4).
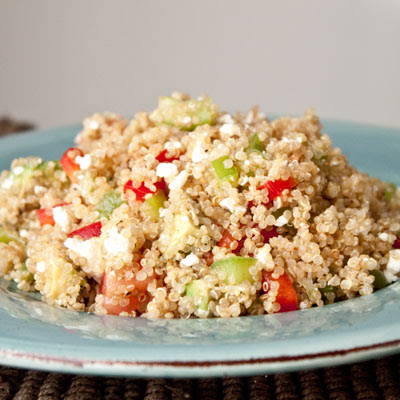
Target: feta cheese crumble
(61,218)
(393,266)
(116,243)
(91,250)
(18,170)
(190,260)
(198,153)
(179,181)
(166,170)
(281,221)
(40,266)
(230,129)
(230,204)
(264,255)
(7,183)
(84,162)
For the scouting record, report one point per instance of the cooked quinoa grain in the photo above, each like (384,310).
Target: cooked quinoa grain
(190,211)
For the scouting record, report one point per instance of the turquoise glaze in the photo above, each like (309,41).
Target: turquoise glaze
(36,335)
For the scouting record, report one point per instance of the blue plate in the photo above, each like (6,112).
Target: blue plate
(36,335)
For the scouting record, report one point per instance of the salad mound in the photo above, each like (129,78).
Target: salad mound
(192,211)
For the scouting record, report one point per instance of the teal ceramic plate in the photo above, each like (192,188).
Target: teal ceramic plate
(35,335)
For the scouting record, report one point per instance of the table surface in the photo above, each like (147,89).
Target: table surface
(376,379)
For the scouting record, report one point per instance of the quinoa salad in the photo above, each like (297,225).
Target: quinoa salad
(189,211)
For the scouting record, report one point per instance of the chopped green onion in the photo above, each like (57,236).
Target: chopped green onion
(223,173)
(390,191)
(326,289)
(255,144)
(108,203)
(279,212)
(154,203)
(7,237)
(380,281)
(29,277)
(319,157)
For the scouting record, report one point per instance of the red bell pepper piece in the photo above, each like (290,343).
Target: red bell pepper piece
(267,235)
(87,232)
(142,190)
(396,243)
(162,157)
(45,216)
(209,258)
(227,239)
(275,188)
(68,163)
(287,296)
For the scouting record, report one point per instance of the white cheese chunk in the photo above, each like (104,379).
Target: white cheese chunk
(116,243)
(40,266)
(393,266)
(264,255)
(198,153)
(84,162)
(7,183)
(18,170)
(61,218)
(230,204)
(91,250)
(230,129)
(179,181)
(166,170)
(281,221)
(190,260)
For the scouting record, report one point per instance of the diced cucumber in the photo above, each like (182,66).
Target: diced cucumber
(255,144)
(7,236)
(108,203)
(152,205)
(184,114)
(198,291)
(223,174)
(182,227)
(236,269)
(380,281)
(390,191)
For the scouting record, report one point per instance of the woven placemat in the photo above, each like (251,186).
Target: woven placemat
(373,380)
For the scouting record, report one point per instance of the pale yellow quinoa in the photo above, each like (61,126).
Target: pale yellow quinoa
(335,226)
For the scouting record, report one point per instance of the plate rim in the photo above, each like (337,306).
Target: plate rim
(197,368)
